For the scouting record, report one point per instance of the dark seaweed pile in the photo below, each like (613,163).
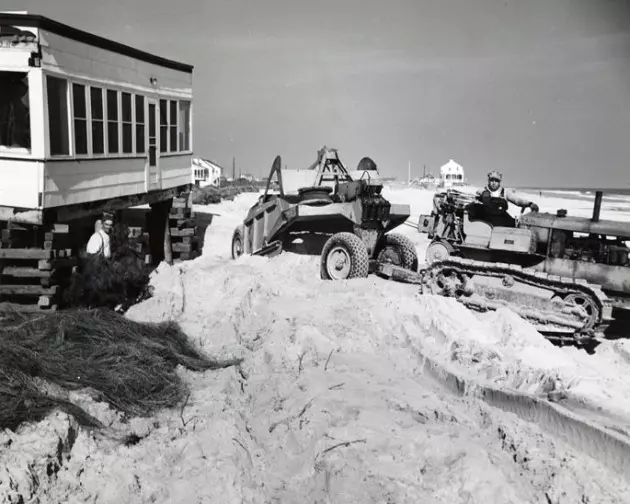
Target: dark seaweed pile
(119,281)
(131,366)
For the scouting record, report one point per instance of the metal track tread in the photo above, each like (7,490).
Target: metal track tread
(558,285)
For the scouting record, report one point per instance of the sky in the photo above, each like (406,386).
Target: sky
(537,89)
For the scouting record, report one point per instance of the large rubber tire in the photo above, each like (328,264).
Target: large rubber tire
(237,243)
(399,250)
(343,257)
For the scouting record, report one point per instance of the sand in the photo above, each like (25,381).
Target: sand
(335,402)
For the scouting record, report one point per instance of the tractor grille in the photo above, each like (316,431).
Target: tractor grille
(375,208)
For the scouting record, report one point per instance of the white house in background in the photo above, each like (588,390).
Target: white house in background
(452,174)
(205,172)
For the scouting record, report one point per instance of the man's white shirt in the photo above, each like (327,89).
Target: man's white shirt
(99,242)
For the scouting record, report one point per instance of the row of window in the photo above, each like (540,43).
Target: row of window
(111,122)
(201,172)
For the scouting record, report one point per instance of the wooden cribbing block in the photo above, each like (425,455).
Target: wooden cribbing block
(190,239)
(182,247)
(52,264)
(189,231)
(25,308)
(180,203)
(183,223)
(28,290)
(25,272)
(181,213)
(61,228)
(26,253)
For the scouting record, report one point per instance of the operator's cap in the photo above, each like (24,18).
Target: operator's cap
(107,216)
(495,175)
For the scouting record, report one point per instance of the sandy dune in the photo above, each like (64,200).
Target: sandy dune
(334,402)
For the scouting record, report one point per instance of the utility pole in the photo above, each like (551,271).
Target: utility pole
(234,168)
(424,171)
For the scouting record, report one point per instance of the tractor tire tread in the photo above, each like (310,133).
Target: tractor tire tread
(360,261)
(405,246)
(238,233)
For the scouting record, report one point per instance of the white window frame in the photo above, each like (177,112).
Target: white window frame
(102,155)
(73,152)
(69,117)
(22,151)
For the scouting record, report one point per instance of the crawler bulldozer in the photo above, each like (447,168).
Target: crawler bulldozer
(335,213)
(565,274)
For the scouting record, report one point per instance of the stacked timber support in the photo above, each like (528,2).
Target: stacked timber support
(139,241)
(35,266)
(184,232)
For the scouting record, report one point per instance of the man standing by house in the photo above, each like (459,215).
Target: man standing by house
(99,243)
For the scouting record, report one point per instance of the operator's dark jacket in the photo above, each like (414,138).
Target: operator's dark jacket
(507,194)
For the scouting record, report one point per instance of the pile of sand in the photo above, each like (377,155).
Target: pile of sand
(332,403)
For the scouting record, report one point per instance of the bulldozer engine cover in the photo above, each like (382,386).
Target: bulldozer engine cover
(512,239)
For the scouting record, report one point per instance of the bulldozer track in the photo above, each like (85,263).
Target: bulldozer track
(560,286)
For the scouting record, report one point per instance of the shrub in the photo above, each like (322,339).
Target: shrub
(123,279)
(206,195)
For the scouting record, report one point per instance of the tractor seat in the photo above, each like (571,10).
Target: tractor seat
(478,232)
(478,212)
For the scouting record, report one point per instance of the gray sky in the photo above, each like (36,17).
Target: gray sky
(539,89)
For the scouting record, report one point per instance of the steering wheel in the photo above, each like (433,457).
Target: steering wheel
(530,208)
(517,219)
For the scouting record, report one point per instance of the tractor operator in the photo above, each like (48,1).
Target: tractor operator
(99,243)
(495,201)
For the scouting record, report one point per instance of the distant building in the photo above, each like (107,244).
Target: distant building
(428,181)
(205,172)
(452,174)
(247,176)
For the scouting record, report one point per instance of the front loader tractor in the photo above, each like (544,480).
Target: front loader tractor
(331,211)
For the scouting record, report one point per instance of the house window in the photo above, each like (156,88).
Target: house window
(184,125)
(112,121)
(140,149)
(15,128)
(80,119)
(127,125)
(57,92)
(98,128)
(173,126)
(163,126)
